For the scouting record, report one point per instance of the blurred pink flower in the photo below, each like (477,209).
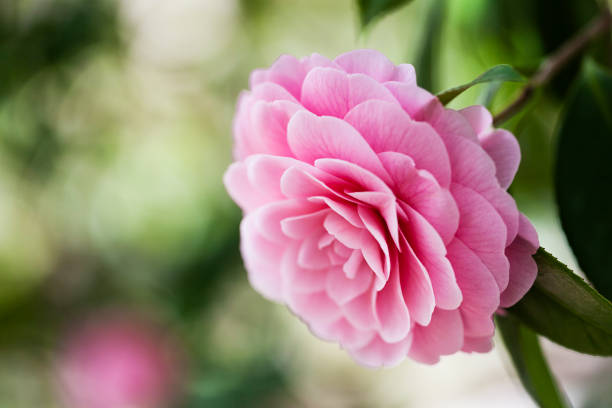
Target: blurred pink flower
(377,215)
(117,363)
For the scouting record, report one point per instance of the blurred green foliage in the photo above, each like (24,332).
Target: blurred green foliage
(115,129)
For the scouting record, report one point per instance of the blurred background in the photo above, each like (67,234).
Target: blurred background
(119,263)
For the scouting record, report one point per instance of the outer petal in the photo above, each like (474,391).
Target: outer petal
(483,231)
(504,149)
(348,336)
(316,309)
(380,353)
(262,261)
(479,117)
(412,98)
(471,165)
(369,62)
(443,336)
(477,344)
(523,269)
(317,60)
(480,292)
(287,72)
(405,73)
(257,180)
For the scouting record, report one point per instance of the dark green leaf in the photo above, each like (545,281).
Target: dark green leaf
(425,62)
(530,364)
(564,308)
(584,175)
(500,73)
(372,9)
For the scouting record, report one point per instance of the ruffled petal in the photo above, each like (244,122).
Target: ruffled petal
(342,289)
(391,311)
(369,62)
(262,259)
(523,268)
(480,291)
(416,287)
(311,138)
(479,117)
(412,99)
(420,190)
(326,92)
(286,71)
(504,149)
(430,250)
(443,336)
(387,128)
(483,231)
(379,353)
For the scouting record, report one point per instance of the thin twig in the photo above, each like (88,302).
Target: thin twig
(553,64)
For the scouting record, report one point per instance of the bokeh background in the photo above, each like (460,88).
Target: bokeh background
(115,130)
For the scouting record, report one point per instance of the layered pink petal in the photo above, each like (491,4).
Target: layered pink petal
(380,353)
(379,216)
(416,287)
(479,118)
(342,288)
(503,148)
(480,291)
(483,231)
(412,99)
(287,72)
(523,269)
(421,191)
(369,62)
(387,128)
(443,336)
(261,258)
(391,311)
(311,138)
(431,251)
(326,92)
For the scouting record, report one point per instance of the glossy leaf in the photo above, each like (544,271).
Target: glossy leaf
(499,73)
(564,308)
(372,9)
(584,175)
(530,363)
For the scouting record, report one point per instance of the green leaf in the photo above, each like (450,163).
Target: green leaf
(584,175)
(428,54)
(372,9)
(530,364)
(564,308)
(500,73)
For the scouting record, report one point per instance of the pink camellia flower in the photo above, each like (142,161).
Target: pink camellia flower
(379,216)
(114,362)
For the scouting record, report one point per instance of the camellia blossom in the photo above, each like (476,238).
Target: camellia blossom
(377,215)
(114,362)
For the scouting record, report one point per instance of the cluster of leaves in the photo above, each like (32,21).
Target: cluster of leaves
(560,306)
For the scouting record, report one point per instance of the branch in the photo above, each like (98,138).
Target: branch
(555,62)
